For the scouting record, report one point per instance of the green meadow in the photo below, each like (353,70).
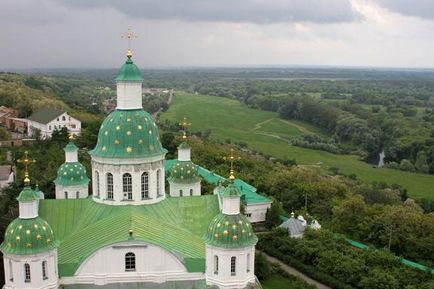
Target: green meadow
(266,132)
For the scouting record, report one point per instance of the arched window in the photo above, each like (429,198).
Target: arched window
(158,183)
(145,185)
(97,183)
(27,276)
(127,185)
(180,193)
(66,195)
(248,263)
(44,270)
(77,195)
(63,118)
(11,272)
(216,264)
(130,261)
(191,192)
(109,186)
(233,265)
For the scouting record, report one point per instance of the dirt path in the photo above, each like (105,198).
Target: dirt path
(294,272)
(169,101)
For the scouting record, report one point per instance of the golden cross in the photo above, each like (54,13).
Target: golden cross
(26,161)
(129,36)
(184,124)
(231,158)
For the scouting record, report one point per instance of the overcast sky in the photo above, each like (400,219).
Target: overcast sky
(86,33)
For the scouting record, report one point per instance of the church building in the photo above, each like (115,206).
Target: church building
(127,232)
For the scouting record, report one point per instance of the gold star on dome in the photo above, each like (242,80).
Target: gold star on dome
(216,236)
(118,127)
(129,149)
(106,133)
(29,245)
(234,227)
(48,240)
(117,142)
(235,237)
(20,227)
(225,232)
(104,148)
(17,238)
(218,225)
(128,119)
(129,132)
(226,223)
(9,245)
(139,127)
(140,141)
(150,131)
(38,237)
(44,228)
(28,232)
(35,226)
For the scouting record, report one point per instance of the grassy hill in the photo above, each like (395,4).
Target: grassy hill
(266,132)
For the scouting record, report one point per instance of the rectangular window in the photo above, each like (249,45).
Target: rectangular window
(109,186)
(191,192)
(11,272)
(180,193)
(66,195)
(27,273)
(248,215)
(158,182)
(233,265)
(216,264)
(145,185)
(97,183)
(44,270)
(248,263)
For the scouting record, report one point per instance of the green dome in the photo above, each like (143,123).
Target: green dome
(184,145)
(184,172)
(128,134)
(70,147)
(28,236)
(27,195)
(71,174)
(129,72)
(230,231)
(230,191)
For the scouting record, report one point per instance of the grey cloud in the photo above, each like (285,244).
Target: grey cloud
(417,8)
(247,11)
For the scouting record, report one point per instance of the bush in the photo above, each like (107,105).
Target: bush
(406,165)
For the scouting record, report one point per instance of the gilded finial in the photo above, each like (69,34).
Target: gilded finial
(184,124)
(232,158)
(129,36)
(26,161)
(292,214)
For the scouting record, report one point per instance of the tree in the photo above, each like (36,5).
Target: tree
(421,163)
(406,165)
(4,134)
(272,217)
(378,279)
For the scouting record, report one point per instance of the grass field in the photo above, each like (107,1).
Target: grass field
(265,132)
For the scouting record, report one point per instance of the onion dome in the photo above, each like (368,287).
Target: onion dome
(71,174)
(129,72)
(128,134)
(28,236)
(71,147)
(184,145)
(27,195)
(230,191)
(38,193)
(230,231)
(183,172)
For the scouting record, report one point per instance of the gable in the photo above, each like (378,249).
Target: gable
(45,115)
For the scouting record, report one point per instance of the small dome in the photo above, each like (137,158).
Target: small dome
(184,145)
(128,134)
(230,231)
(27,195)
(230,191)
(71,174)
(129,72)
(28,236)
(184,172)
(70,147)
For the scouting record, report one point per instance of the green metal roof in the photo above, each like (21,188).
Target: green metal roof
(128,134)
(248,192)
(230,231)
(129,72)
(184,145)
(28,236)
(183,172)
(175,224)
(71,174)
(27,195)
(70,147)
(45,115)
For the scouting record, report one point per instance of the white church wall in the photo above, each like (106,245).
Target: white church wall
(72,192)
(256,212)
(244,269)
(15,272)
(176,188)
(129,95)
(152,263)
(135,169)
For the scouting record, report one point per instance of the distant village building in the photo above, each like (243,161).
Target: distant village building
(7,176)
(47,120)
(297,226)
